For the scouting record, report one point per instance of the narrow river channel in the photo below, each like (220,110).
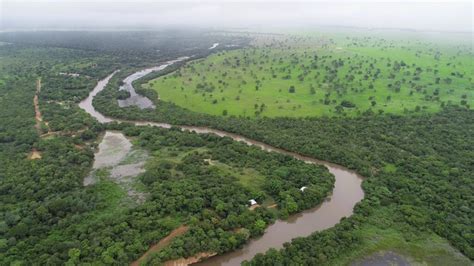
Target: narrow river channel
(346,194)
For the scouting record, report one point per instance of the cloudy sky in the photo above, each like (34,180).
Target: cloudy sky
(96,14)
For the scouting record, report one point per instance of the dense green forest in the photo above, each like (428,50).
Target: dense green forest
(132,48)
(418,167)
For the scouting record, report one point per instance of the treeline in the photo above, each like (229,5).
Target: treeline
(129,47)
(64,87)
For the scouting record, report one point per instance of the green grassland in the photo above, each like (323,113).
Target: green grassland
(330,76)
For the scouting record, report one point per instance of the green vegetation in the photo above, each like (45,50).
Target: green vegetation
(418,164)
(300,76)
(39,197)
(248,177)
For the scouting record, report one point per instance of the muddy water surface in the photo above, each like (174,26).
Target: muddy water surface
(388,258)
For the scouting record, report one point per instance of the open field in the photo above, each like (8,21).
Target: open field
(306,75)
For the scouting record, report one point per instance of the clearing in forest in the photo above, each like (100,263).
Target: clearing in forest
(34,155)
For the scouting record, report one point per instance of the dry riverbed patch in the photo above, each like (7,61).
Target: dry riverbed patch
(122,163)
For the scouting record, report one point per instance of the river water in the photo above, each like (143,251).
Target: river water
(136,99)
(347,191)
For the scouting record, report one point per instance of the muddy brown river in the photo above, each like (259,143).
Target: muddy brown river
(346,194)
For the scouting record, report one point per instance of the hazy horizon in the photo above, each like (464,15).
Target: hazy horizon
(106,14)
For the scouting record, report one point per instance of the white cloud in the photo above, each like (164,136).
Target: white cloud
(428,15)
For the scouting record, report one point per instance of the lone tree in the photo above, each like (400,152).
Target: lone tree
(292,89)
(347,104)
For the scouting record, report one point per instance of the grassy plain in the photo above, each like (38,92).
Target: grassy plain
(330,75)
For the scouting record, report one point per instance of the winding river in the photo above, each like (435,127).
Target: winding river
(136,99)
(347,191)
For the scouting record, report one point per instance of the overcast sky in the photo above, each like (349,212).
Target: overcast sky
(96,14)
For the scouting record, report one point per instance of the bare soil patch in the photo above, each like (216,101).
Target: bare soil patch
(187,261)
(34,155)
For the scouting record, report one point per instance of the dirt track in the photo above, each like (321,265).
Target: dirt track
(34,154)
(38,116)
(163,243)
